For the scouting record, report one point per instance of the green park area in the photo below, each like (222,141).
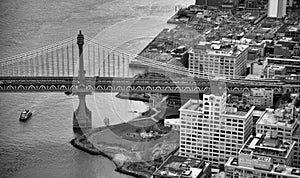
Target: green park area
(137,147)
(134,149)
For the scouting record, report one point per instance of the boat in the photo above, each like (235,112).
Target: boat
(25,115)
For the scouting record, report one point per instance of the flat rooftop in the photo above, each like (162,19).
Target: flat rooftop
(269,119)
(238,113)
(197,106)
(220,49)
(192,105)
(177,166)
(233,109)
(288,171)
(265,145)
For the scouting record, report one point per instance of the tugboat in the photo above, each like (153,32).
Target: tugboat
(25,115)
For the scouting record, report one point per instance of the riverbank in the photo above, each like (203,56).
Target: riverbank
(89,148)
(133,96)
(138,159)
(136,147)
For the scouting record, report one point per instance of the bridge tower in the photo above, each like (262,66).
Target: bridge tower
(82,116)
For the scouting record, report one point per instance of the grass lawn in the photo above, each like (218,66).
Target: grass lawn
(137,147)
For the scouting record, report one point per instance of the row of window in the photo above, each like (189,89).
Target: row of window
(246,173)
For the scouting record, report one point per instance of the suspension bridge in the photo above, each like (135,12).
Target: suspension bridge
(58,68)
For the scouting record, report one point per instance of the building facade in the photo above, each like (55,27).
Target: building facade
(284,123)
(263,156)
(212,129)
(174,124)
(277,8)
(178,166)
(260,98)
(218,60)
(271,71)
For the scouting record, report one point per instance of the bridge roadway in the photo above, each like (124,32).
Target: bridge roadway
(109,84)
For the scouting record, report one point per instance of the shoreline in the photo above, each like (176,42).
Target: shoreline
(128,164)
(134,97)
(124,167)
(74,142)
(121,168)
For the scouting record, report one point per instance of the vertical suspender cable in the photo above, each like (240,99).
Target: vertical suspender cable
(2,70)
(25,66)
(103,62)
(123,64)
(94,62)
(119,65)
(108,64)
(113,64)
(63,61)
(99,63)
(68,63)
(47,62)
(52,62)
(89,60)
(57,61)
(128,61)
(31,65)
(42,65)
(37,65)
(21,67)
(73,61)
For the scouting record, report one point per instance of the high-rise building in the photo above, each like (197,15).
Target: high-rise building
(277,8)
(212,129)
(263,156)
(218,59)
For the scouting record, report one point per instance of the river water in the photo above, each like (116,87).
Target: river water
(40,147)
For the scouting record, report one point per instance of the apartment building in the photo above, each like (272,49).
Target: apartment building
(218,59)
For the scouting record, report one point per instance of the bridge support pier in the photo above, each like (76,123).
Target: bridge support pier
(82,116)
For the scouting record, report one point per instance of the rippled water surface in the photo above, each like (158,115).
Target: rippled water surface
(40,147)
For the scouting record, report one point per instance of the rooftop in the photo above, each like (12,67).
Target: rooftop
(266,30)
(279,118)
(288,171)
(219,48)
(193,105)
(230,110)
(238,111)
(177,166)
(267,146)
